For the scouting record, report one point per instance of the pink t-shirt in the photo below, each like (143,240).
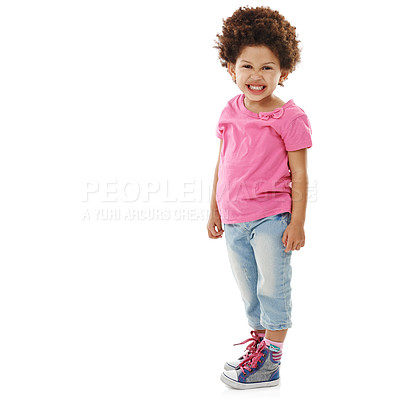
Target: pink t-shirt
(254,179)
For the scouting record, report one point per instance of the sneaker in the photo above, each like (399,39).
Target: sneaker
(250,349)
(260,369)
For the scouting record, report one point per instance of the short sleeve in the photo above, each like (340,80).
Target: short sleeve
(219,132)
(298,134)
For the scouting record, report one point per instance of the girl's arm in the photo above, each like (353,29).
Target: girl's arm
(298,168)
(214,225)
(294,237)
(213,203)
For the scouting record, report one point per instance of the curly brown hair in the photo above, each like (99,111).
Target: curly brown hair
(258,26)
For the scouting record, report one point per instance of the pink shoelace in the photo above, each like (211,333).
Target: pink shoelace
(251,360)
(252,347)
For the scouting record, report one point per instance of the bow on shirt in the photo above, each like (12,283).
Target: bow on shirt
(273,114)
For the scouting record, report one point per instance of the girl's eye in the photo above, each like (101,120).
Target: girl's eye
(249,66)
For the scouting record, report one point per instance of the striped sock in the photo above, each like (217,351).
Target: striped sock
(275,348)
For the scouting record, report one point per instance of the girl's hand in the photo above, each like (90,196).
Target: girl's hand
(214,221)
(293,237)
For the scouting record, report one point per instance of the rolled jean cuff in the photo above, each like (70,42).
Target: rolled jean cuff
(256,327)
(279,327)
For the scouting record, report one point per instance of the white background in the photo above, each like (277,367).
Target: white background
(119,291)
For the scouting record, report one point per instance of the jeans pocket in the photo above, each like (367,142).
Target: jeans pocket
(286,217)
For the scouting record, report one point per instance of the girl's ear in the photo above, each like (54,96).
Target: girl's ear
(283,76)
(231,70)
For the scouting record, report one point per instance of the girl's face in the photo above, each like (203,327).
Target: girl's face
(257,73)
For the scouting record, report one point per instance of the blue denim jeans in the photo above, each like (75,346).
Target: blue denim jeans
(262,270)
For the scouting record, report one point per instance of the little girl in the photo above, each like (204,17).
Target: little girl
(260,184)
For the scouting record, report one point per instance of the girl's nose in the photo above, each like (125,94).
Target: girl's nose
(255,75)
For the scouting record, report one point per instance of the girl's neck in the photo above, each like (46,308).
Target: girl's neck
(266,105)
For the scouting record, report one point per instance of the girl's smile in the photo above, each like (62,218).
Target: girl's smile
(256,89)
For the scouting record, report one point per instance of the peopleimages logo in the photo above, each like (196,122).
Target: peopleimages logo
(161,200)
(194,190)
(133,200)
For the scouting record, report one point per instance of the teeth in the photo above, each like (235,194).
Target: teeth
(256,87)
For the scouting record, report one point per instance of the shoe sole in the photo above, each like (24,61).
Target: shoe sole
(240,385)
